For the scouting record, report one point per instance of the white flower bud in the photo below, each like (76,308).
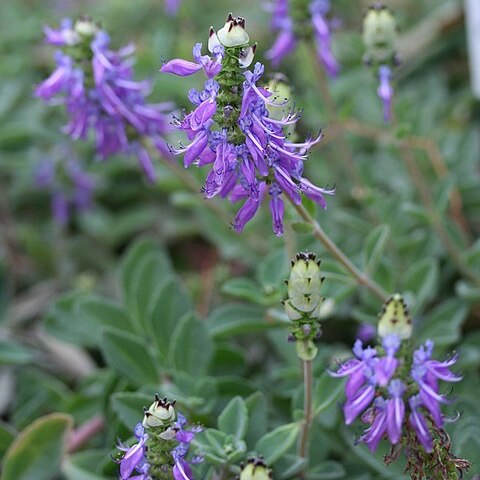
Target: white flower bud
(255,469)
(379,34)
(85,27)
(233,33)
(394,318)
(159,413)
(304,287)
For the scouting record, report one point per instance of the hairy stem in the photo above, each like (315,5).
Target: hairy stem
(307,408)
(360,277)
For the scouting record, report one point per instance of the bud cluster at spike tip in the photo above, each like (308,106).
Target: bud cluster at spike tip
(97,88)
(296,20)
(255,469)
(303,304)
(163,442)
(379,37)
(392,387)
(231,130)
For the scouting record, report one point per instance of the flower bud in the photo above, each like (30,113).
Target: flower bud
(160,412)
(304,284)
(85,27)
(379,35)
(233,33)
(394,318)
(255,469)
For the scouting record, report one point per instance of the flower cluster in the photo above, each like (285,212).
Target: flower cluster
(71,188)
(231,130)
(396,390)
(303,304)
(379,37)
(294,20)
(162,447)
(97,88)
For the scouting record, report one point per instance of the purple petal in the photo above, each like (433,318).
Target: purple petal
(354,407)
(180,67)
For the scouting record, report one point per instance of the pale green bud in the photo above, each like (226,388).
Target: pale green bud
(233,33)
(85,27)
(379,34)
(304,284)
(160,413)
(255,469)
(394,318)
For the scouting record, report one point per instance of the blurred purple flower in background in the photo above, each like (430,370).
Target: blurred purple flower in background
(70,186)
(97,88)
(172,6)
(290,31)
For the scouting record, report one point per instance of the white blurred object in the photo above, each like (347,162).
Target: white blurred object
(472,20)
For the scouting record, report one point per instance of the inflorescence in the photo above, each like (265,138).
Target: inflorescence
(232,130)
(97,88)
(162,446)
(379,37)
(395,390)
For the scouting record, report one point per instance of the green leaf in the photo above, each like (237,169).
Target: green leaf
(374,247)
(245,289)
(168,305)
(142,269)
(273,270)
(289,466)
(421,281)
(7,435)
(327,470)
(257,407)
(303,228)
(327,391)
(12,353)
(37,451)
(276,443)
(234,418)
(129,406)
(443,324)
(81,465)
(237,318)
(96,312)
(130,356)
(192,348)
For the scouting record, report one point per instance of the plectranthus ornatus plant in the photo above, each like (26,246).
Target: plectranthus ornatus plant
(163,441)
(232,131)
(96,86)
(394,388)
(297,20)
(379,37)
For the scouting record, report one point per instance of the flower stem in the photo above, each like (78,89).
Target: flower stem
(307,408)
(361,278)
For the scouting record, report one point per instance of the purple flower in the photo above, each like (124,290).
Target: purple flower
(384,394)
(102,95)
(70,186)
(231,130)
(366,332)
(426,373)
(172,6)
(385,91)
(184,68)
(134,457)
(419,424)
(286,40)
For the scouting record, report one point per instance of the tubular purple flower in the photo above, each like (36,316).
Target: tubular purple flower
(60,209)
(375,433)
(385,91)
(419,424)
(356,405)
(277,209)
(386,366)
(134,457)
(395,408)
(283,45)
